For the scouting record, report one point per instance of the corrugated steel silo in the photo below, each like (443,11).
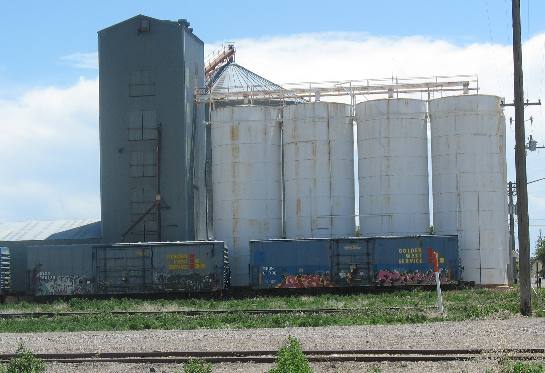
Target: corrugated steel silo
(393,167)
(246,181)
(318,170)
(469,182)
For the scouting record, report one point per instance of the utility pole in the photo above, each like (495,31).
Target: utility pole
(512,273)
(520,164)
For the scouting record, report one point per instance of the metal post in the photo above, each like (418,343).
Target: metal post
(512,272)
(439,294)
(158,185)
(520,164)
(438,282)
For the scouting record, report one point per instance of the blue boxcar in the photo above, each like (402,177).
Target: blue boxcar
(405,260)
(290,263)
(352,262)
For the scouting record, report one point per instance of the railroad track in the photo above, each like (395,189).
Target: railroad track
(378,355)
(50,314)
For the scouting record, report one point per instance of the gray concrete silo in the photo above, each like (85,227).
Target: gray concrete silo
(469,182)
(152,136)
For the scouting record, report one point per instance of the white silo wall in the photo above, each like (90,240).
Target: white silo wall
(246,181)
(393,167)
(469,182)
(318,170)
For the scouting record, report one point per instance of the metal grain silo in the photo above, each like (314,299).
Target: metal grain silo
(469,182)
(318,170)
(246,181)
(393,167)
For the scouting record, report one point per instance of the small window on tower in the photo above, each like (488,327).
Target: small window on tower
(144,25)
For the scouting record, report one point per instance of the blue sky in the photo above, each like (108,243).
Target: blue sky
(36,34)
(49,104)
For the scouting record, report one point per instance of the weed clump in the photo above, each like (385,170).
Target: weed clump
(291,359)
(24,362)
(197,366)
(523,367)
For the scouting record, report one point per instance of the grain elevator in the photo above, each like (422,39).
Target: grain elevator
(152,151)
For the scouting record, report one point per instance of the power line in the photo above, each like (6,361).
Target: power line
(533,181)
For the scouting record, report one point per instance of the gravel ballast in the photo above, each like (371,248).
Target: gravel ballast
(423,367)
(515,332)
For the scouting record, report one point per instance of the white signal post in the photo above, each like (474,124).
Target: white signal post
(438,281)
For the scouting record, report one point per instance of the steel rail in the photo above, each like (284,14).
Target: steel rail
(51,314)
(268,356)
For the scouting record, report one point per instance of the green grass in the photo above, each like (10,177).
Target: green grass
(372,309)
(523,367)
(23,362)
(291,359)
(197,366)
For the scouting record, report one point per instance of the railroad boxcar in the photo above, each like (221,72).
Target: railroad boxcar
(406,260)
(5,272)
(58,270)
(188,267)
(290,263)
(352,262)
(140,268)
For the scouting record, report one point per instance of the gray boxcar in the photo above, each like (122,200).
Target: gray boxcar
(192,267)
(5,271)
(184,267)
(57,270)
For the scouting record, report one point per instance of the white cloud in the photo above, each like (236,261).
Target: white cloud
(50,135)
(49,148)
(82,60)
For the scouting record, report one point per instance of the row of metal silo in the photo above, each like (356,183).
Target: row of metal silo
(289,173)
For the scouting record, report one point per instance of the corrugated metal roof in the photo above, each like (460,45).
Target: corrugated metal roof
(79,229)
(234,78)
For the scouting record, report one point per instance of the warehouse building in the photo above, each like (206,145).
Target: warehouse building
(19,235)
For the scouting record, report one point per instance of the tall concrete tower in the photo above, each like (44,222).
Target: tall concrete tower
(152,134)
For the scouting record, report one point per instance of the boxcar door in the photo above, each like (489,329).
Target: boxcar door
(123,269)
(352,262)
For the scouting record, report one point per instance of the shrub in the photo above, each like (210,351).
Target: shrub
(523,367)
(197,366)
(291,359)
(24,362)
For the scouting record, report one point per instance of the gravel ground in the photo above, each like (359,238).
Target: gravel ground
(515,332)
(420,367)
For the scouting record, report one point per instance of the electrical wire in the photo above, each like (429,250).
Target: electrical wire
(534,181)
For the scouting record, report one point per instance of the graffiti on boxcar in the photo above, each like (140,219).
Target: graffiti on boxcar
(47,283)
(184,261)
(192,282)
(352,275)
(305,281)
(389,277)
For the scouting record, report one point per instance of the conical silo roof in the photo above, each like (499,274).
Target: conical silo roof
(233,77)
